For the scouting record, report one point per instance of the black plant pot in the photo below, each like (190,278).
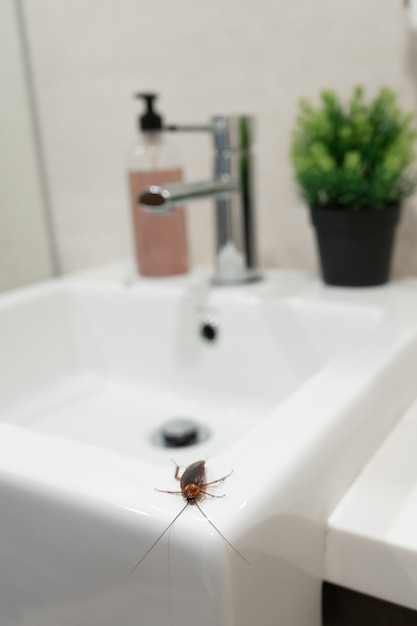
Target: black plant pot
(355,247)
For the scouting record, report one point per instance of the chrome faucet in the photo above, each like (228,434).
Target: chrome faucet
(231,187)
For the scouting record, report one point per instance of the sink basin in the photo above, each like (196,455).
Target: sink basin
(294,385)
(109,363)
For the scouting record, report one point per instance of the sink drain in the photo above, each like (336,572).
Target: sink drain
(209,331)
(180,432)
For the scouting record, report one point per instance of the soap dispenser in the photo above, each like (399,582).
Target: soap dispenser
(160,241)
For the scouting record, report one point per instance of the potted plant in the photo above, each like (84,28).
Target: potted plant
(352,166)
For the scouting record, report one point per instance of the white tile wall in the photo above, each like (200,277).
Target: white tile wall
(25,255)
(203,57)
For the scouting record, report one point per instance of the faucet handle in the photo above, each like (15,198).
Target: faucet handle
(189,128)
(231,132)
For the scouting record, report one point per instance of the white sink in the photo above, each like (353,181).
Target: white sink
(300,386)
(108,363)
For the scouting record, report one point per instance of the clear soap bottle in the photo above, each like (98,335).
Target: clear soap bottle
(160,241)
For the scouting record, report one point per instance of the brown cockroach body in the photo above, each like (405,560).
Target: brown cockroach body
(192,482)
(193,489)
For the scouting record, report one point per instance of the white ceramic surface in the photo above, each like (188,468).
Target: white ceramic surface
(372,539)
(108,363)
(301,387)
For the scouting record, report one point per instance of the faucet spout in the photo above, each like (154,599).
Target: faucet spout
(157,199)
(231,187)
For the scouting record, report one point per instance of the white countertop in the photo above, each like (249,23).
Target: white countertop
(372,535)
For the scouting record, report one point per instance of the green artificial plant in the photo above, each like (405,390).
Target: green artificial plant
(355,156)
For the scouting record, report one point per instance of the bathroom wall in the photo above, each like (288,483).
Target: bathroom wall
(25,251)
(220,56)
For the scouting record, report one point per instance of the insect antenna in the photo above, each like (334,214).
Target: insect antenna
(221,534)
(160,537)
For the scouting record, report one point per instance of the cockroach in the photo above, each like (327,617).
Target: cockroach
(193,489)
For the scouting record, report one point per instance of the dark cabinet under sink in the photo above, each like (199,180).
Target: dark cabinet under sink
(345,607)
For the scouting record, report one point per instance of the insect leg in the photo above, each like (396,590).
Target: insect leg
(164,491)
(206,493)
(219,480)
(177,470)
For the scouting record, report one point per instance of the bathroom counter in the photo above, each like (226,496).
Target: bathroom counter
(372,534)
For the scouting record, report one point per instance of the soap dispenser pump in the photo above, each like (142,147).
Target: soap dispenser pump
(160,241)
